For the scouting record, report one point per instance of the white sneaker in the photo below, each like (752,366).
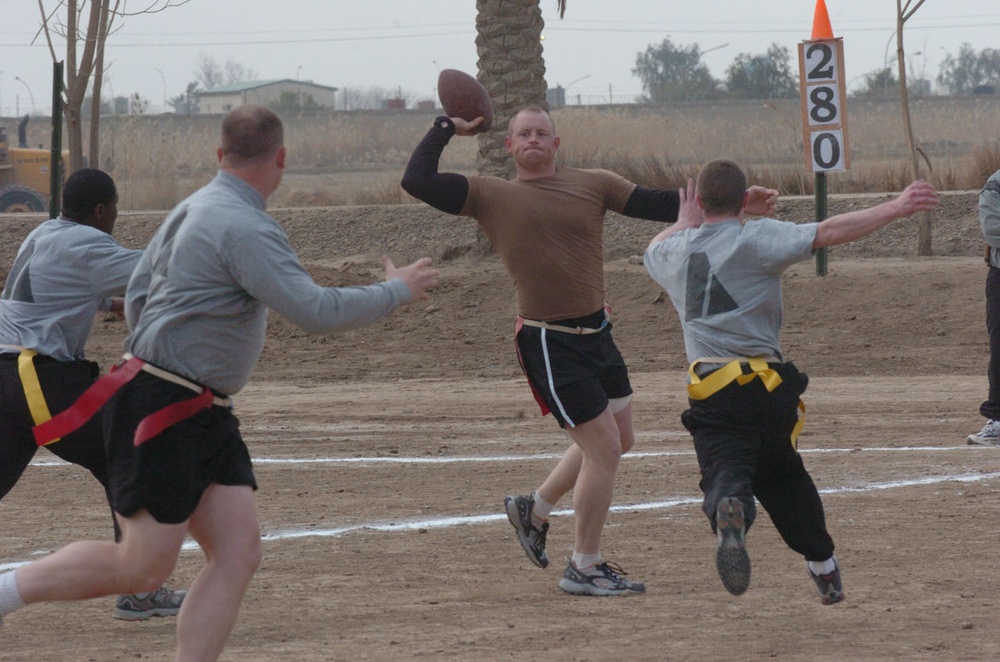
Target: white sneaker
(988,436)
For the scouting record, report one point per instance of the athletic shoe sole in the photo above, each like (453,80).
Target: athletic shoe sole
(731,558)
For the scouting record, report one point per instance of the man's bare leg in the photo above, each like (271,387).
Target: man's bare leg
(142,561)
(599,444)
(563,477)
(225,526)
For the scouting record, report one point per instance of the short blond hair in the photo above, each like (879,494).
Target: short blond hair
(250,133)
(530,109)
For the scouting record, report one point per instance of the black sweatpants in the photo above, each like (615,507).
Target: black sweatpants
(62,383)
(742,436)
(991,407)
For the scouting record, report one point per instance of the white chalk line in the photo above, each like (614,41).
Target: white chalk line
(457,459)
(466,520)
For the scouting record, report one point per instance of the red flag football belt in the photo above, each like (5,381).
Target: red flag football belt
(91,401)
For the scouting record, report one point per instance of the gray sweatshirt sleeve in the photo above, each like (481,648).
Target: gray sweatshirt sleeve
(989,210)
(266,266)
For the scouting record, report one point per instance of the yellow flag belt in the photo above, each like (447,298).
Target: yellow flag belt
(715,381)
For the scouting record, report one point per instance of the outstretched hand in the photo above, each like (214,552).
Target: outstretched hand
(761,201)
(917,197)
(464,127)
(690,214)
(418,276)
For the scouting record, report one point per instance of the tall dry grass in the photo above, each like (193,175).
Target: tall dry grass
(358,157)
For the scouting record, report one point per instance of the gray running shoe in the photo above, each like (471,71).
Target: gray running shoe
(531,537)
(162,602)
(988,436)
(608,579)
(831,588)
(731,558)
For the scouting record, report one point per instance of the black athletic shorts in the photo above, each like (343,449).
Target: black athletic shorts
(62,382)
(167,475)
(574,375)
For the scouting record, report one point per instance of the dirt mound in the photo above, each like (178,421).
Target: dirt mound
(878,303)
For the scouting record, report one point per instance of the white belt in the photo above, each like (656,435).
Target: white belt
(575,330)
(180,381)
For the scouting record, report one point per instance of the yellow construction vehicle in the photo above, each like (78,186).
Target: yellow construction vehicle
(24,174)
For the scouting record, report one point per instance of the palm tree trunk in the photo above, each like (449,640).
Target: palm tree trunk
(511,68)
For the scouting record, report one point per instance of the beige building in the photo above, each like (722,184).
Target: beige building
(271,93)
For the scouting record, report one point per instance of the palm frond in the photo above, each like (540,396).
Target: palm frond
(561,6)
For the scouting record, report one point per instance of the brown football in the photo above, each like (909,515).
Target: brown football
(463,96)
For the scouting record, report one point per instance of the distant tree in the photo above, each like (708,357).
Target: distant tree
(88,107)
(879,84)
(85,24)
(210,74)
(295,102)
(137,105)
(672,73)
(236,72)
(970,70)
(762,76)
(372,98)
(186,103)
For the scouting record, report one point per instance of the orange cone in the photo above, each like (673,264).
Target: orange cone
(821,22)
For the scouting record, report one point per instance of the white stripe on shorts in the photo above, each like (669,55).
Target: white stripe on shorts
(552,386)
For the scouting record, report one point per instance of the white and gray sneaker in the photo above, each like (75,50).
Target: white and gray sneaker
(988,436)
(604,579)
(142,606)
(532,538)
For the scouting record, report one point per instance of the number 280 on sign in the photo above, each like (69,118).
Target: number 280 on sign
(824,112)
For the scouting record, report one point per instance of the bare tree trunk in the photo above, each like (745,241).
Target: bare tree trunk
(78,73)
(923,219)
(94,150)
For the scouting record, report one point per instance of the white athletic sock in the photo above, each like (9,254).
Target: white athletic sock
(584,562)
(542,509)
(822,567)
(10,598)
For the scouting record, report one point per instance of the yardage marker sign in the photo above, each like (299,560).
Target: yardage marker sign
(824,105)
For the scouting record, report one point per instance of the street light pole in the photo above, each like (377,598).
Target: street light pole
(573,82)
(715,48)
(163,79)
(30,95)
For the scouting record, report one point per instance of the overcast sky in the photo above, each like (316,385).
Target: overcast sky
(403,44)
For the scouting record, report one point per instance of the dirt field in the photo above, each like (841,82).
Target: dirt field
(383,456)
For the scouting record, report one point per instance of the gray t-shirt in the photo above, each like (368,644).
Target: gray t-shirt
(63,274)
(198,300)
(989,216)
(724,279)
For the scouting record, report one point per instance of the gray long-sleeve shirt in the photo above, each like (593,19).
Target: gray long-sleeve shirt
(63,274)
(989,216)
(197,301)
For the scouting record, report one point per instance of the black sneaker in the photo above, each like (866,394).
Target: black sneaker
(161,602)
(607,579)
(831,588)
(731,558)
(531,537)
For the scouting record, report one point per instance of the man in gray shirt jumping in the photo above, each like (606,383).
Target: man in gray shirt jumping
(723,276)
